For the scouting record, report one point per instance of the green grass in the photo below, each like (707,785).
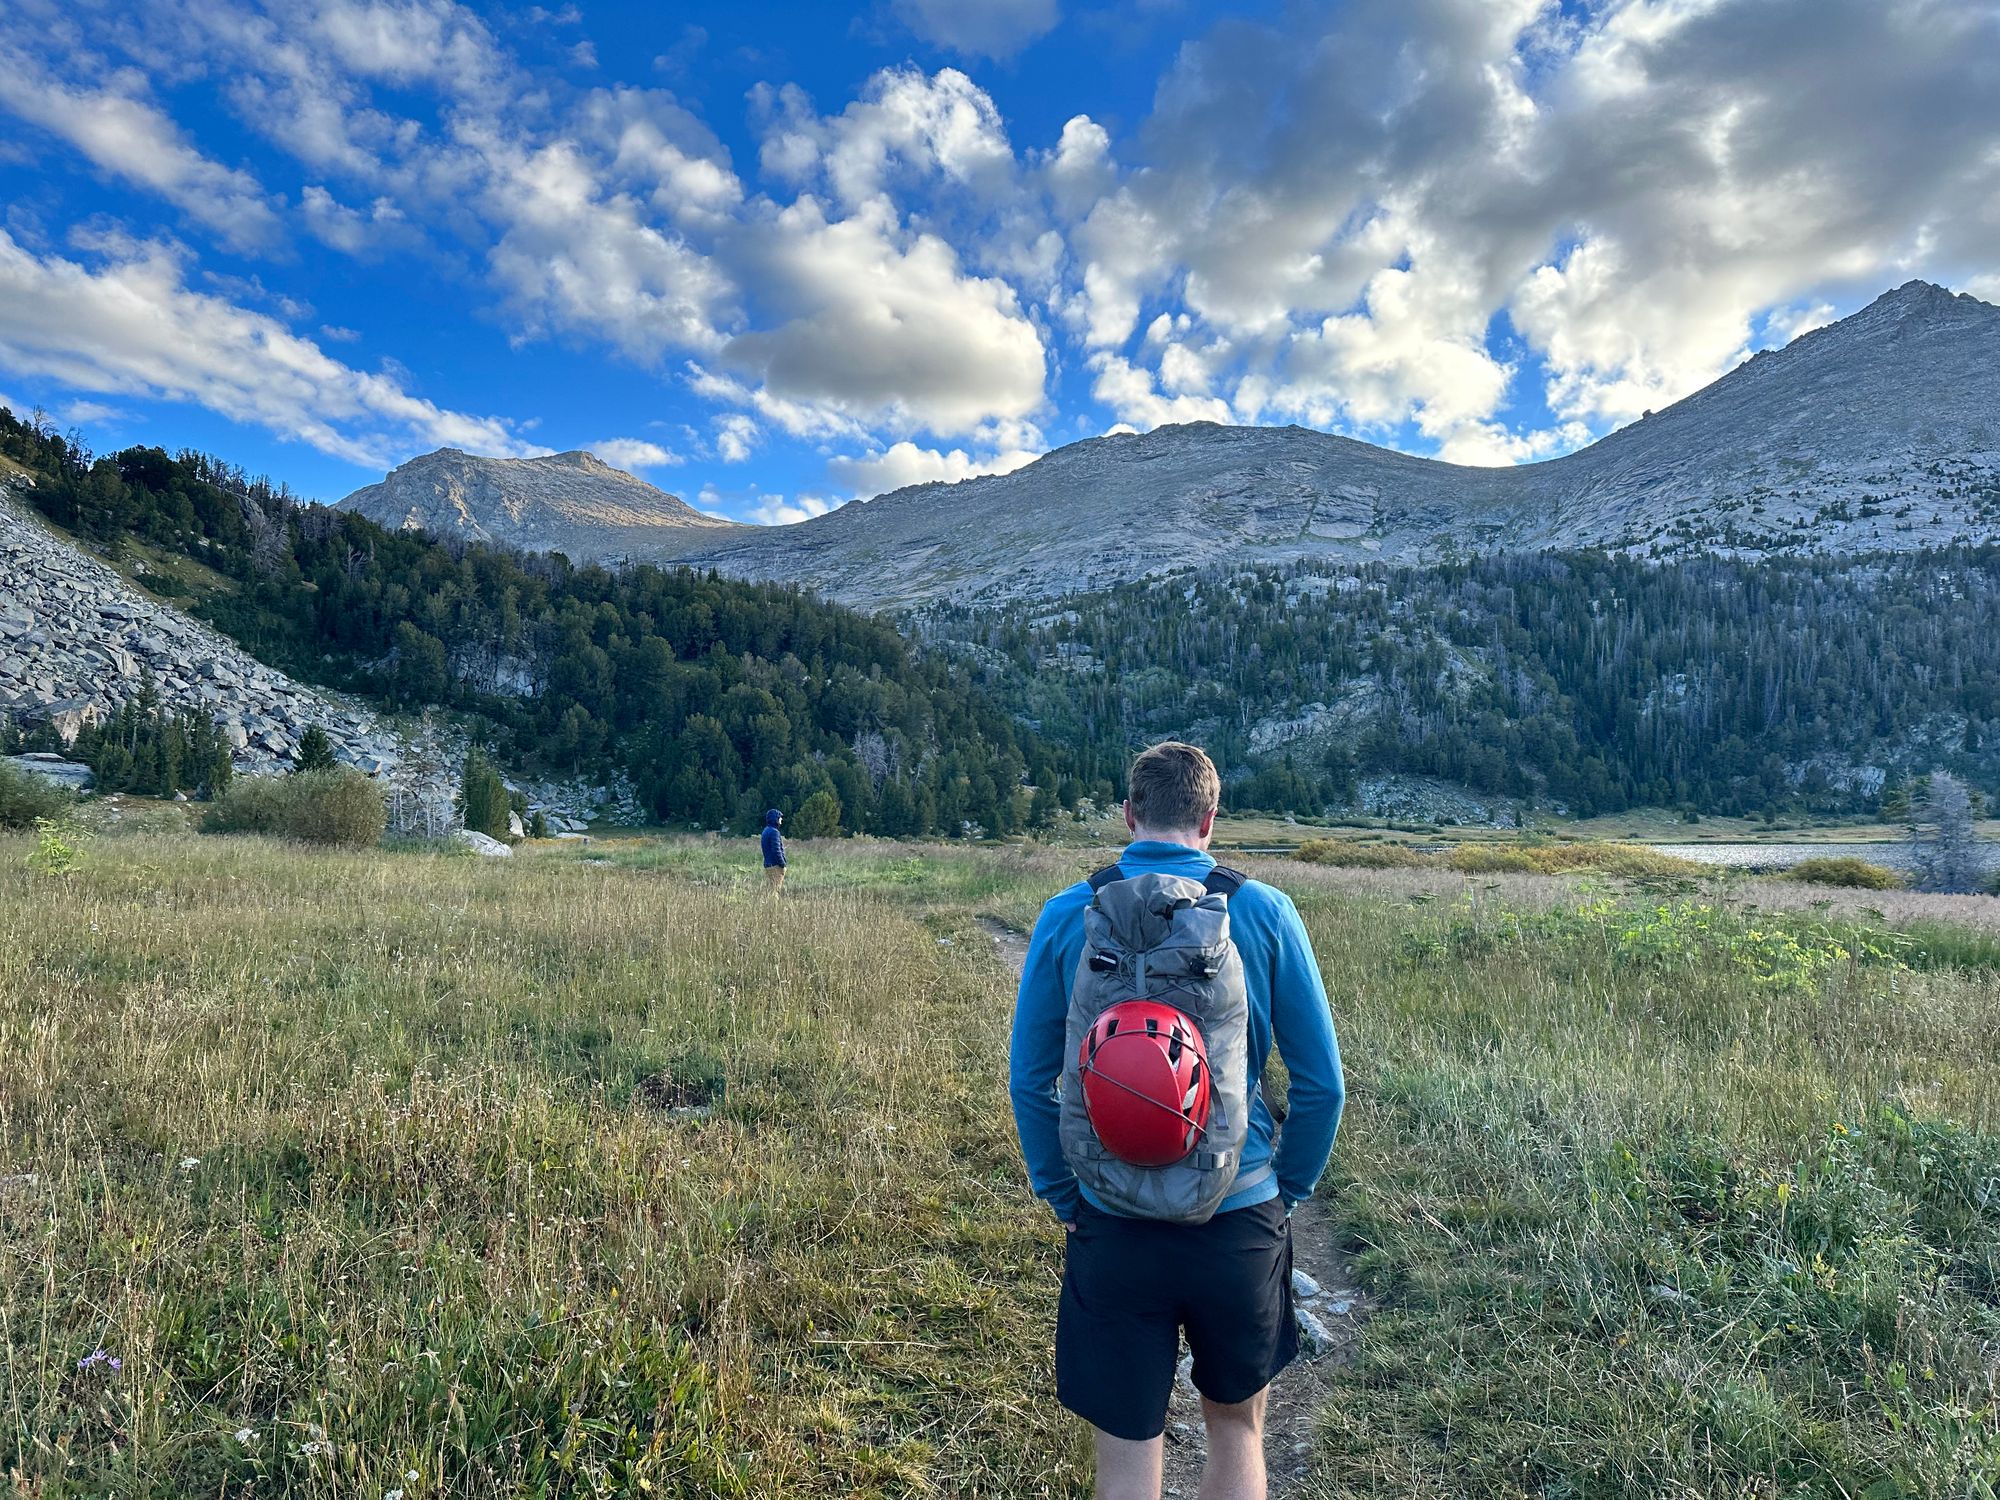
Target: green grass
(594,1171)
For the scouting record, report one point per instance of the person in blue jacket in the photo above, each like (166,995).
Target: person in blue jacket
(774,851)
(1131,1287)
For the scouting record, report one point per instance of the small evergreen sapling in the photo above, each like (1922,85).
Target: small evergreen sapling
(484,796)
(315,752)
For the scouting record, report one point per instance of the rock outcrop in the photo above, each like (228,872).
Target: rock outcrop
(76,639)
(573,503)
(71,776)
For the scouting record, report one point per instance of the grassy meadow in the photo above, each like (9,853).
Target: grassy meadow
(596,1172)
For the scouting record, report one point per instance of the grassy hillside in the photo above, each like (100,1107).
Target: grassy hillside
(594,1172)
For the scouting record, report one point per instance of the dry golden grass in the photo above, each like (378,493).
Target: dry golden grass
(437,1214)
(596,1172)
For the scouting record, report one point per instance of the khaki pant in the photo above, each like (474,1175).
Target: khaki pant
(774,877)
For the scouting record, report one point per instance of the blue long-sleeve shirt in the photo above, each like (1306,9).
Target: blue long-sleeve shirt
(774,846)
(1288,1004)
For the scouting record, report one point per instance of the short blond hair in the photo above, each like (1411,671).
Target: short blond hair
(1173,786)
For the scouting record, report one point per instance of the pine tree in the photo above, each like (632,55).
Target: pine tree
(484,796)
(817,818)
(315,751)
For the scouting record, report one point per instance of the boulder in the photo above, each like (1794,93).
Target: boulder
(480,843)
(515,826)
(65,773)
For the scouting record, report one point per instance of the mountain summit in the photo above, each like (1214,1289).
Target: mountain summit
(573,503)
(1881,431)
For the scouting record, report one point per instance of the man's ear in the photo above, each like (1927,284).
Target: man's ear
(1131,823)
(1208,822)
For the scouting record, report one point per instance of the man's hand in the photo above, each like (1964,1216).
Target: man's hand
(1069,1226)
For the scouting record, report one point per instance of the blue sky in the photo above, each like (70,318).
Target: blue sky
(775,257)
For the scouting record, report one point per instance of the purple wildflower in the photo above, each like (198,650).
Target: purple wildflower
(97,1357)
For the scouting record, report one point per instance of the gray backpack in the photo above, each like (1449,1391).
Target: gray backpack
(1165,938)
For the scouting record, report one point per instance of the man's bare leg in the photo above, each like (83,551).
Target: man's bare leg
(1235,1468)
(1127,1470)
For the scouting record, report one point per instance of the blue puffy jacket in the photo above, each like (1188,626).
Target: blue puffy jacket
(774,841)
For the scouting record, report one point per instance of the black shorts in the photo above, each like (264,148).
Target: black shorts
(1131,1285)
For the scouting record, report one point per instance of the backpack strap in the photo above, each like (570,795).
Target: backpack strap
(1223,881)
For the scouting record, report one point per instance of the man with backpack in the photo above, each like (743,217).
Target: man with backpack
(774,851)
(1150,999)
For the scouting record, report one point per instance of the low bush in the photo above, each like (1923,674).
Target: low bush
(1360,856)
(340,807)
(1632,861)
(25,797)
(1844,870)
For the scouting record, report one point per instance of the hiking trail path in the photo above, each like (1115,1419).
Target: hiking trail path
(1299,1394)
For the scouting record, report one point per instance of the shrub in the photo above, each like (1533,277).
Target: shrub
(25,798)
(1844,870)
(1628,860)
(485,796)
(341,807)
(817,818)
(1359,856)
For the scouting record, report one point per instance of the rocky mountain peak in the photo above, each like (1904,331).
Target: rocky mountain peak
(573,503)
(1872,433)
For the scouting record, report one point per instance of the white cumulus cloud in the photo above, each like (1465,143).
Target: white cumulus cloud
(634,454)
(130,137)
(904,463)
(883,326)
(982,28)
(776,510)
(132,327)
(735,436)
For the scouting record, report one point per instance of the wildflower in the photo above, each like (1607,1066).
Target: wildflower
(392,1495)
(411,1477)
(98,1357)
(246,1434)
(189,1163)
(313,1448)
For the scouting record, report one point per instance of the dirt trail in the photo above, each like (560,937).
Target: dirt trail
(1302,1391)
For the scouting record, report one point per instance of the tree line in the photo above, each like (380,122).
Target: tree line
(717,698)
(1589,681)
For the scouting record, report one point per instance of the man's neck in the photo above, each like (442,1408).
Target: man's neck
(1187,838)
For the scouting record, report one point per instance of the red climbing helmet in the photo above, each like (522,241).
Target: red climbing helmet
(1145,1082)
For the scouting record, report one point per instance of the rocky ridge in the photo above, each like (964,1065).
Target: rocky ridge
(573,503)
(1875,432)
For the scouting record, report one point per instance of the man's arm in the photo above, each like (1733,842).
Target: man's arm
(1035,1065)
(1302,1027)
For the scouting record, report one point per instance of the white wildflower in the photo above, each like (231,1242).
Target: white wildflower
(246,1434)
(189,1163)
